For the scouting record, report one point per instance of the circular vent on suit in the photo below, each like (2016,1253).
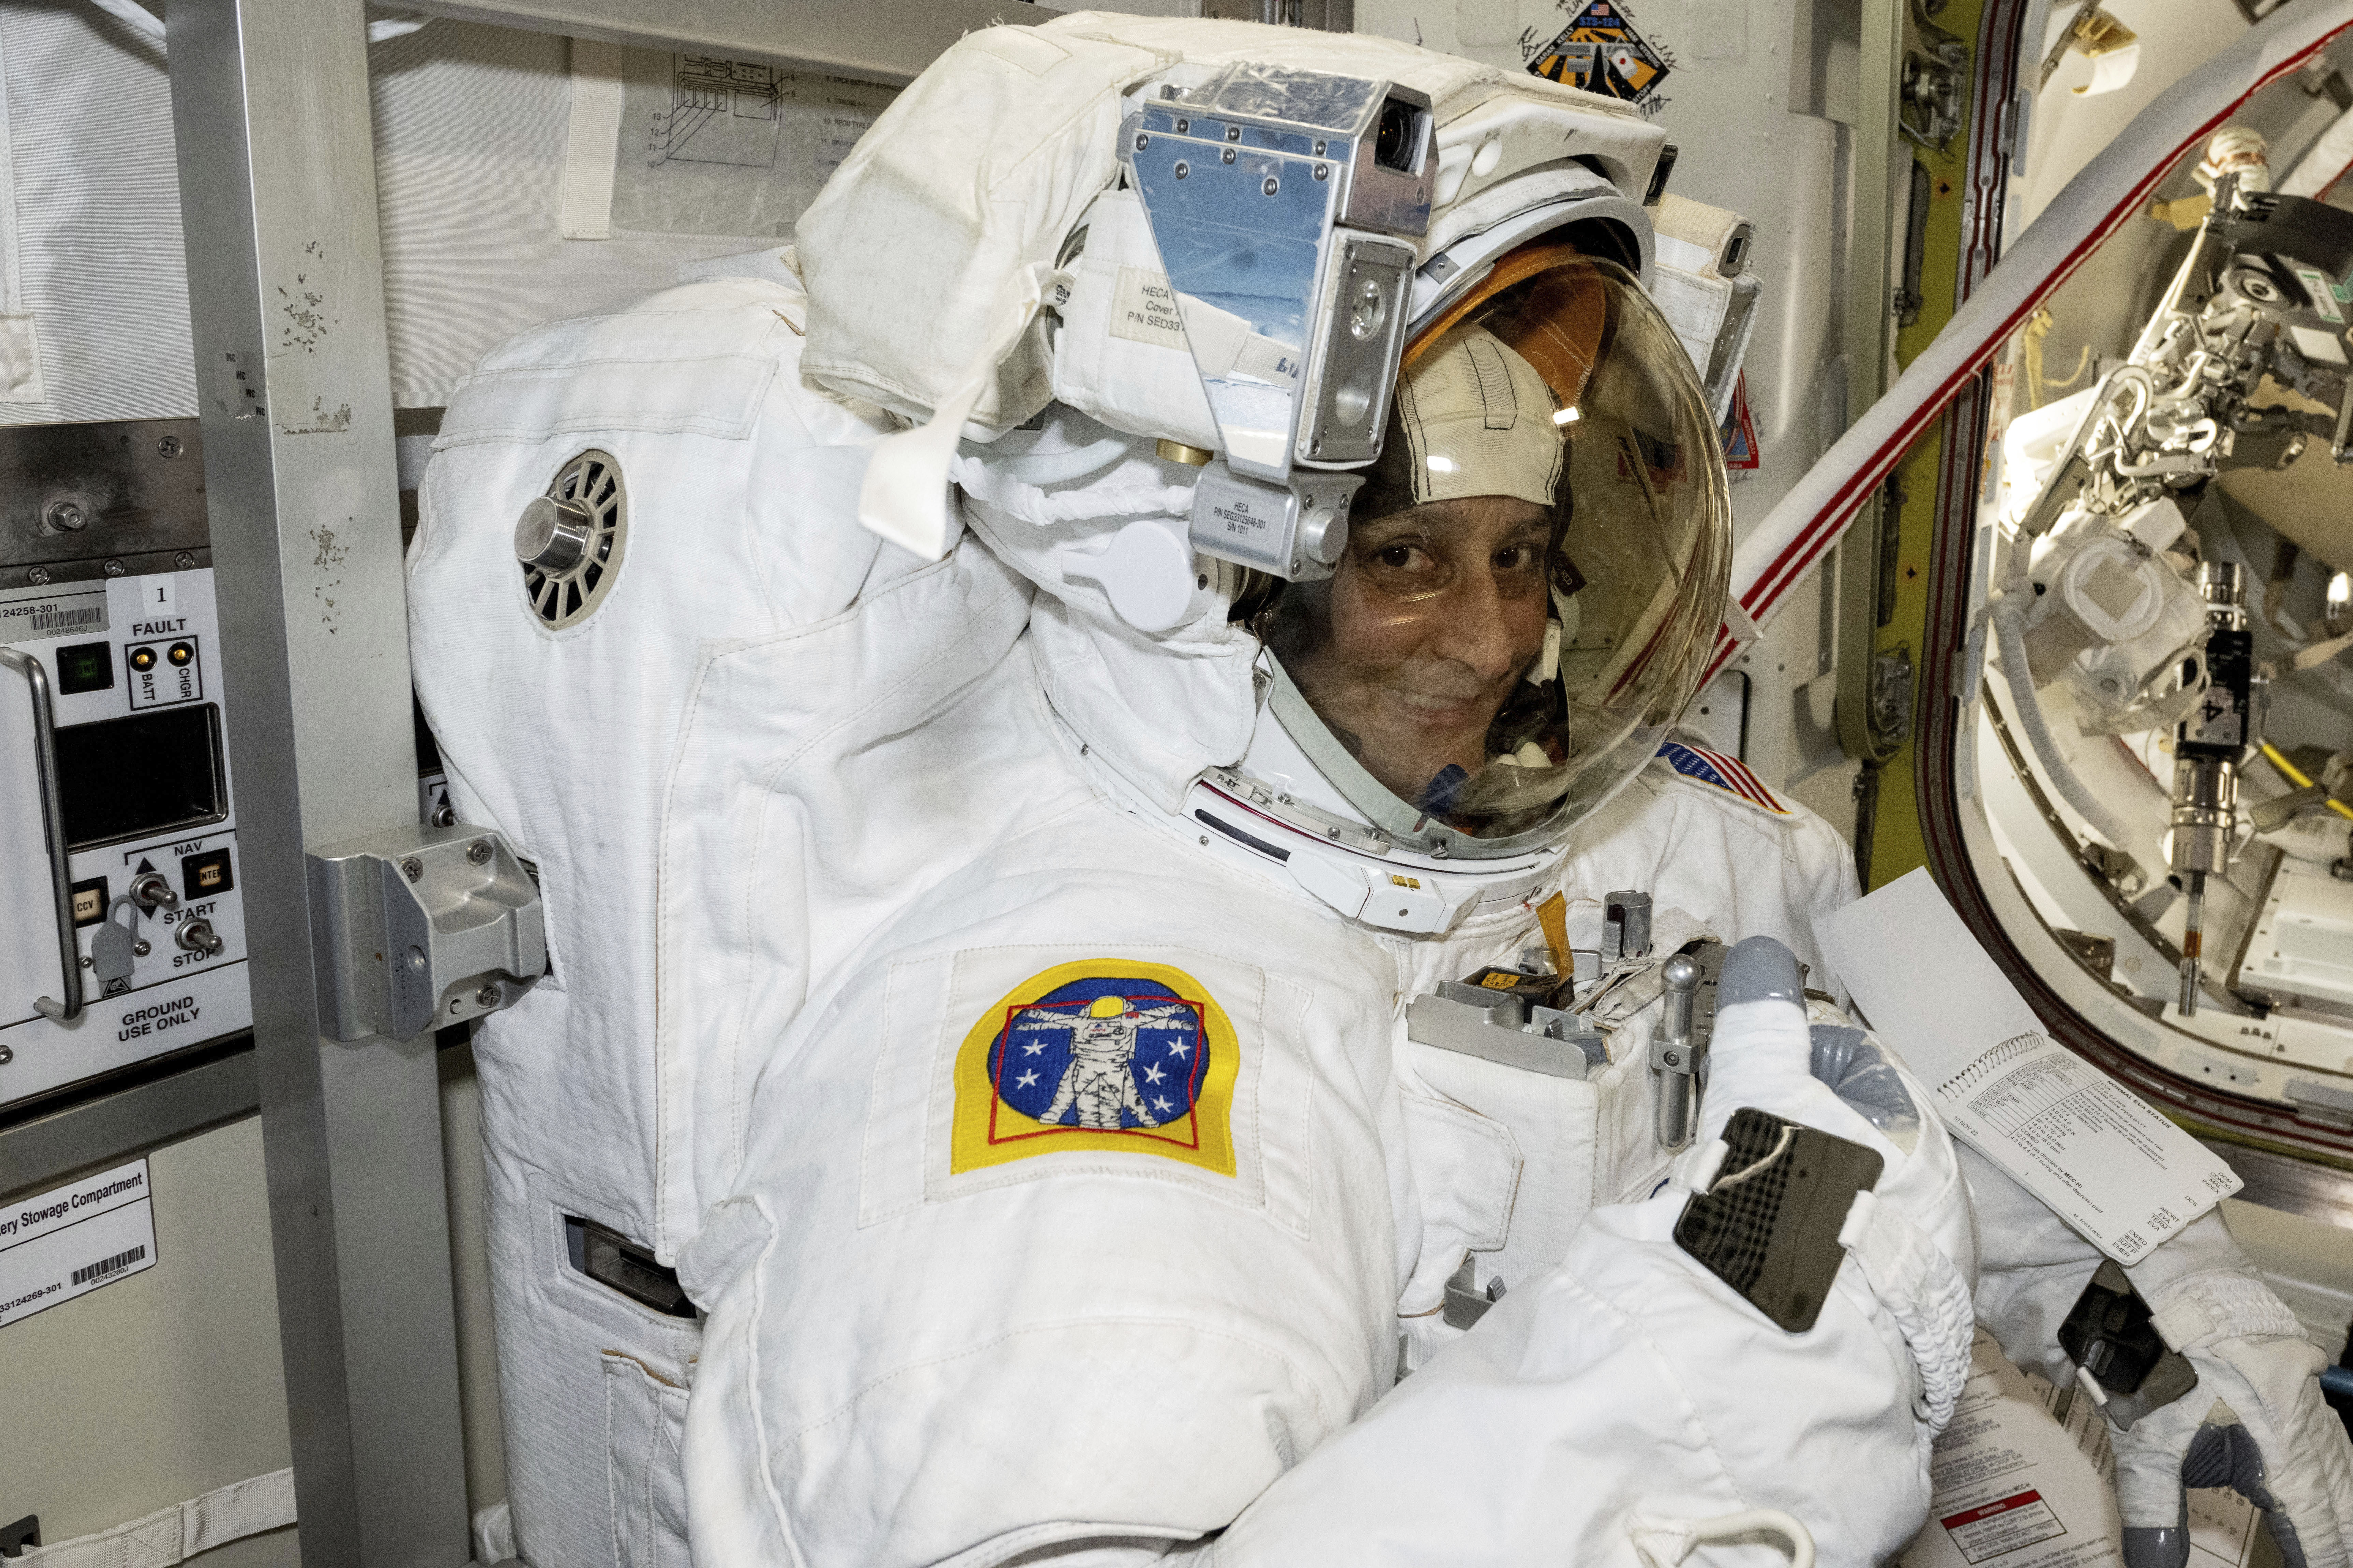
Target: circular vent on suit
(570,540)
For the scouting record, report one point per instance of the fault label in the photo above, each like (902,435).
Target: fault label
(59,1245)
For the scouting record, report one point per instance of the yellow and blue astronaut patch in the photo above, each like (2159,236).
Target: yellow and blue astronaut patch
(1105,1055)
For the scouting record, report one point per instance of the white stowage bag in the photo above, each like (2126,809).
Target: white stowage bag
(985,165)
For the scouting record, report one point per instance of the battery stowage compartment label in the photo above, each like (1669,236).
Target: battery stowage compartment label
(58,1245)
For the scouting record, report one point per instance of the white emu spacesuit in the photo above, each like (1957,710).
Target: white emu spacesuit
(919,860)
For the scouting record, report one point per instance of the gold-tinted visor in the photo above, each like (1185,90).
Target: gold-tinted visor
(1535,567)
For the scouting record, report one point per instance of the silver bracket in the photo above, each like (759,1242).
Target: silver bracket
(1679,1049)
(422,927)
(1625,926)
(1497,1026)
(1295,530)
(1465,1302)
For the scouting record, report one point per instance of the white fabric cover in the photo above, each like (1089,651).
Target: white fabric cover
(1119,351)
(1695,294)
(984,164)
(903,1368)
(566,742)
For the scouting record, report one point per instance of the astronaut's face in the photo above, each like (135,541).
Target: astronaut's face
(1102,1032)
(1435,614)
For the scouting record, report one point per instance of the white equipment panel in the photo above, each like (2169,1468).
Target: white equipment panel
(105,584)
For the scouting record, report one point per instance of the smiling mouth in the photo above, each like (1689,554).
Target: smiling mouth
(1432,708)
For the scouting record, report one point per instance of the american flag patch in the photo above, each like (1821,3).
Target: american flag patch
(1727,774)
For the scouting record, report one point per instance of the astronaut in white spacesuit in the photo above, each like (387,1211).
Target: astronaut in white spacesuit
(980,1288)
(953,1321)
(949,1322)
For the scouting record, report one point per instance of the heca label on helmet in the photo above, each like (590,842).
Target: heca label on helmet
(1103,1056)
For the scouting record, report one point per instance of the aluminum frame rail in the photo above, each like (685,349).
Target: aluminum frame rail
(875,40)
(277,166)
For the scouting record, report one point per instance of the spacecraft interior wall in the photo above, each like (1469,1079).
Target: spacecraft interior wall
(472,126)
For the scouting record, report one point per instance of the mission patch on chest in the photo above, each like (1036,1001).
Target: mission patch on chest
(1107,1055)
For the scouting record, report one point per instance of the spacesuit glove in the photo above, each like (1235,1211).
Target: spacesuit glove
(2255,1421)
(1911,1232)
(1762,1050)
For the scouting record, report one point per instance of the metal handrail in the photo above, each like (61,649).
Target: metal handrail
(53,825)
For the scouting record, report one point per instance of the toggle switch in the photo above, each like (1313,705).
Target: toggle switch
(152,891)
(197,936)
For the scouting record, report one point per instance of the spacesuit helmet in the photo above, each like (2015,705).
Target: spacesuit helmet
(1242,256)
(1534,571)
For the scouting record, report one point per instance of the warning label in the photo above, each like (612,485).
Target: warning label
(2003,1525)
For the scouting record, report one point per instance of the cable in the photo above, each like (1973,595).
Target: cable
(2007,615)
(2295,775)
(1788,1136)
(1057,468)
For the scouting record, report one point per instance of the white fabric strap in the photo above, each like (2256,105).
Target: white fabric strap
(174,1534)
(904,496)
(1696,1169)
(591,139)
(1663,1541)
(1922,1292)
(1017,498)
(2220,1306)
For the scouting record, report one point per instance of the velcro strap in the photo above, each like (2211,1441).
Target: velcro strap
(176,1533)
(1924,1294)
(2220,1306)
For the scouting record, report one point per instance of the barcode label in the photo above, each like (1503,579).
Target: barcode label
(106,1266)
(46,1241)
(71,619)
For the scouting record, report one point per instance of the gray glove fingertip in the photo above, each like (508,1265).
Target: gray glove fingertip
(1760,969)
(2159,1547)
